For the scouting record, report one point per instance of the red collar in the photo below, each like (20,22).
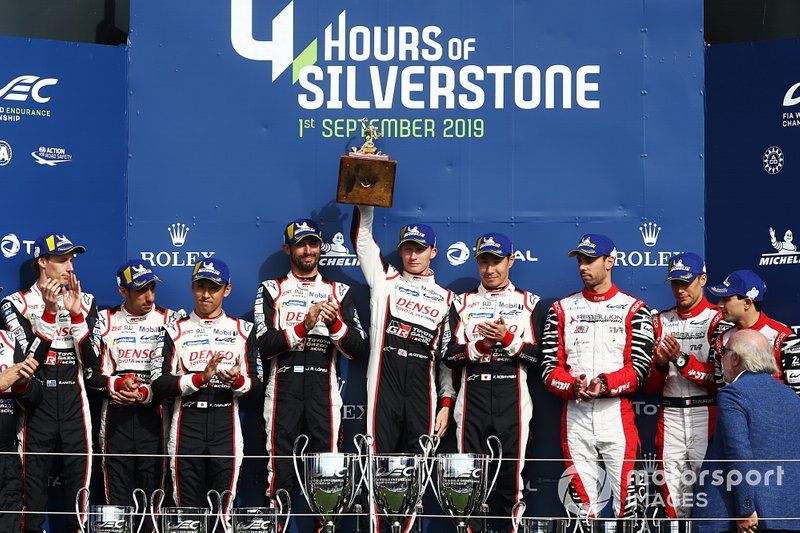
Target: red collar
(760,323)
(600,297)
(698,308)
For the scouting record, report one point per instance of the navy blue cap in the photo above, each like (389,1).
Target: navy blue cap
(495,244)
(594,245)
(418,233)
(212,269)
(135,274)
(685,267)
(299,229)
(742,282)
(55,244)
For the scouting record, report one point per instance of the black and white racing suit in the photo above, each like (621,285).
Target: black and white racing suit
(686,416)
(493,398)
(302,391)
(126,345)
(608,335)
(407,334)
(205,418)
(61,422)
(12,401)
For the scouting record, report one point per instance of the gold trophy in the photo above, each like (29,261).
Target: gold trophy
(366,176)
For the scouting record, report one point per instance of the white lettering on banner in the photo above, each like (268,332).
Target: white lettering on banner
(431,86)
(177,234)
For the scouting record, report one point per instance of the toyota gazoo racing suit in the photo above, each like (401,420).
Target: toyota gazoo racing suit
(785,345)
(608,335)
(126,344)
(408,316)
(61,422)
(686,416)
(493,398)
(302,390)
(14,398)
(205,418)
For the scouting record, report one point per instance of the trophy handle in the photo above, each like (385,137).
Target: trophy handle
(155,508)
(363,445)
(428,444)
(278,494)
(492,457)
(79,499)
(225,510)
(221,512)
(519,507)
(137,509)
(300,481)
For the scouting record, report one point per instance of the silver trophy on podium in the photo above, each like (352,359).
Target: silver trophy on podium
(263,519)
(397,482)
(462,482)
(329,481)
(108,518)
(178,519)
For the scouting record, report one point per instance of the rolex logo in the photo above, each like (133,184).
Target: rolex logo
(649,463)
(650,231)
(177,232)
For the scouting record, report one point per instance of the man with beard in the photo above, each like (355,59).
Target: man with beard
(301,321)
(597,349)
(61,422)
(125,337)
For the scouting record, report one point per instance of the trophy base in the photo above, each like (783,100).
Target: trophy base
(366,179)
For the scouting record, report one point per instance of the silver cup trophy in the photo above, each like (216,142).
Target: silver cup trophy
(178,519)
(329,481)
(263,519)
(462,482)
(107,518)
(520,524)
(397,483)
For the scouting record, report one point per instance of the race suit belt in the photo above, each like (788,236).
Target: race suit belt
(693,401)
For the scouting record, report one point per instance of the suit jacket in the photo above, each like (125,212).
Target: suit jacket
(757,418)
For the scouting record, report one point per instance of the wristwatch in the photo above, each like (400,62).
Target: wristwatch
(603,384)
(681,361)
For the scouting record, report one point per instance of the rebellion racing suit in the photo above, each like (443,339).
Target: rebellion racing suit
(302,390)
(126,344)
(785,346)
(205,418)
(408,330)
(28,397)
(686,416)
(61,422)
(610,336)
(493,398)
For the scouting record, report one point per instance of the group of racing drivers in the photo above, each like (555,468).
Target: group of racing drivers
(170,382)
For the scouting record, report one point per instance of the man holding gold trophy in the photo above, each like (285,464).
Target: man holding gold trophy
(409,391)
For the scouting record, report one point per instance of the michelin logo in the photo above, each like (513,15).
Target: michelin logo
(785,250)
(335,253)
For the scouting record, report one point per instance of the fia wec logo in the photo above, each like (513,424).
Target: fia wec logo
(21,87)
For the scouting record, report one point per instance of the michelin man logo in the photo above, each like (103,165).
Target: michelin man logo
(753,293)
(587,242)
(412,231)
(208,268)
(678,265)
(335,253)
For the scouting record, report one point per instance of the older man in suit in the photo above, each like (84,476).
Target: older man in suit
(758,417)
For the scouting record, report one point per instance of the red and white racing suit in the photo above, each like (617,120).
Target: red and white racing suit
(493,398)
(785,346)
(407,335)
(126,344)
(686,416)
(607,335)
